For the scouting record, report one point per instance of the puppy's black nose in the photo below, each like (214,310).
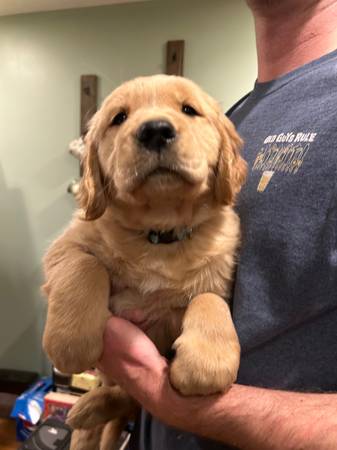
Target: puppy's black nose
(155,135)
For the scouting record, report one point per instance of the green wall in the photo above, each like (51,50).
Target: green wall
(41,59)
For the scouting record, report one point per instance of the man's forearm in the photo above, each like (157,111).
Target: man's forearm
(257,419)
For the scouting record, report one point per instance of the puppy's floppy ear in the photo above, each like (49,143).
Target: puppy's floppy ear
(231,170)
(91,196)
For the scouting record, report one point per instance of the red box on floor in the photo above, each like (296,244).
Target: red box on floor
(57,404)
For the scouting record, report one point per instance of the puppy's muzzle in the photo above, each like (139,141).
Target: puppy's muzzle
(156,135)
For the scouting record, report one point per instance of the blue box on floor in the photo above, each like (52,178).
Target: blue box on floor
(29,406)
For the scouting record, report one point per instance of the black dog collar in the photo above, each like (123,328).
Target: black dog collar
(169,237)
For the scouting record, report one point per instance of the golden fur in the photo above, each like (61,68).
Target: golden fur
(103,263)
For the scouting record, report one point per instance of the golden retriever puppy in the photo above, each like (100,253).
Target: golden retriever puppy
(156,231)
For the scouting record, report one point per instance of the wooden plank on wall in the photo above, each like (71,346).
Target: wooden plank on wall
(175,58)
(88,100)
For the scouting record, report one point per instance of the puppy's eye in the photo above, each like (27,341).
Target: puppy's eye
(119,119)
(190,111)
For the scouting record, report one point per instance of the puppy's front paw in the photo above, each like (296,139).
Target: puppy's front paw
(72,354)
(202,366)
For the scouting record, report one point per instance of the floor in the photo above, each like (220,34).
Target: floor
(7,435)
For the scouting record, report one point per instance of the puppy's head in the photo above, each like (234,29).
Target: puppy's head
(159,140)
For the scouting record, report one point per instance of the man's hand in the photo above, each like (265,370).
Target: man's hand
(131,359)
(128,352)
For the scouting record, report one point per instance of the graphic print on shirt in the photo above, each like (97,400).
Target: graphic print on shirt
(284,152)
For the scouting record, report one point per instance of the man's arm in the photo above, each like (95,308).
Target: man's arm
(246,417)
(262,419)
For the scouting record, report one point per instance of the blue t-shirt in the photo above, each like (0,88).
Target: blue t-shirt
(285,297)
